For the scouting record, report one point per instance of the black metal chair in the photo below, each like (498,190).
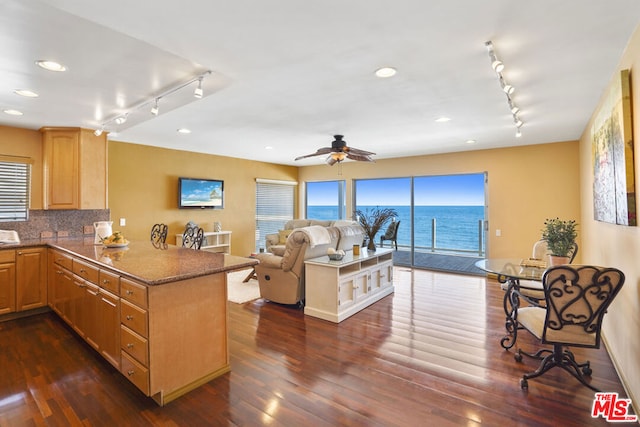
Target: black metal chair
(159,234)
(576,300)
(192,237)
(391,234)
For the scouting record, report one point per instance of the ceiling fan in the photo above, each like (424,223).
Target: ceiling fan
(339,151)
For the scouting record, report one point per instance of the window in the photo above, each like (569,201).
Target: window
(14,189)
(325,200)
(274,207)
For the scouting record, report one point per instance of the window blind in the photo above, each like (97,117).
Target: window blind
(274,207)
(14,190)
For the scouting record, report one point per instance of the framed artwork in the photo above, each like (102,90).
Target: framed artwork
(614,193)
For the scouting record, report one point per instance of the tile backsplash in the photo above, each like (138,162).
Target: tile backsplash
(57,223)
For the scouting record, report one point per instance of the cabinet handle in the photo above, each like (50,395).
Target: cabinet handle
(131,372)
(19,252)
(129,345)
(129,292)
(129,317)
(82,270)
(105,281)
(59,272)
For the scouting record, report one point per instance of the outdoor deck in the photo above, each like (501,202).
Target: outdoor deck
(451,262)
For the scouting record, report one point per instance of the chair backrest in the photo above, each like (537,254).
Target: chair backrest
(159,233)
(392,231)
(541,251)
(192,237)
(577,298)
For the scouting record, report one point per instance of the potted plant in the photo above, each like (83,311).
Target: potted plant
(372,221)
(560,236)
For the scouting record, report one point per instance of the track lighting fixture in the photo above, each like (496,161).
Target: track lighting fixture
(153,102)
(198,92)
(498,67)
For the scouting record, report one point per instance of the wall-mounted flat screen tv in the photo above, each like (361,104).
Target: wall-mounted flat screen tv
(195,193)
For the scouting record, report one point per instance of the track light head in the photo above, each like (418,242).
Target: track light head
(198,92)
(98,132)
(120,120)
(508,89)
(154,109)
(497,66)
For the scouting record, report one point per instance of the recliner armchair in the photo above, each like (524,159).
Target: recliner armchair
(281,277)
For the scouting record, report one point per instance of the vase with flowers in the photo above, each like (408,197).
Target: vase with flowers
(372,221)
(560,236)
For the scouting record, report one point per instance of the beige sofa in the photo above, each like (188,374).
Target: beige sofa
(281,277)
(275,242)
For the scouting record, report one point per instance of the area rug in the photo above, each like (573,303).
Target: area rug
(240,292)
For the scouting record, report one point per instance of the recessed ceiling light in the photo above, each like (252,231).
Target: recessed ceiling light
(386,72)
(268,147)
(26,92)
(442,119)
(470,141)
(13,112)
(184,131)
(50,65)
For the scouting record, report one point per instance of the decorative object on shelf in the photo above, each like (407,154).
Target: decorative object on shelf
(560,236)
(217,227)
(335,255)
(372,221)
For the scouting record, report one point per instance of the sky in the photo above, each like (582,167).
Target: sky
(444,190)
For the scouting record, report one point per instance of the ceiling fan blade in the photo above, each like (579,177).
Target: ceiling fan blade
(358,151)
(359,157)
(323,150)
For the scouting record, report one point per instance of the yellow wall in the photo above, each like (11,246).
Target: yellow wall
(143,189)
(25,143)
(617,246)
(526,185)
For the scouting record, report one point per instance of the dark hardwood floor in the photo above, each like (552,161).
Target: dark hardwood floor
(427,355)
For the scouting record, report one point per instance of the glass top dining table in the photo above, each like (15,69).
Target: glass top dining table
(512,268)
(509,272)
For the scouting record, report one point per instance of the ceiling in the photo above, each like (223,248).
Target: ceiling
(287,75)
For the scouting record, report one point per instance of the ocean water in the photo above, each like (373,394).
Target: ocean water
(457,227)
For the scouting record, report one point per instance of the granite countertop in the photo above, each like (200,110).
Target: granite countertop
(144,262)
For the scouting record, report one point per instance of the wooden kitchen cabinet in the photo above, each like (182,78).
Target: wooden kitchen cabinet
(81,294)
(75,169)
(31,278)
(7,282)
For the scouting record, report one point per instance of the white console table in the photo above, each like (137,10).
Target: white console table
(215,241)
(335,290)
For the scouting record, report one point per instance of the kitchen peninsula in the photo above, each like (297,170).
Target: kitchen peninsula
(157,313)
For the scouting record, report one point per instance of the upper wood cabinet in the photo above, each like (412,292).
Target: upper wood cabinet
(75,169)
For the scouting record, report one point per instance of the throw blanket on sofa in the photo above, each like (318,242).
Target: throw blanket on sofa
(318,235)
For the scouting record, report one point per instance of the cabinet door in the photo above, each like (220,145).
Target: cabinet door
(351,288)
(61,165)
(109,323)
(31,278)
(90,314)
(7,288)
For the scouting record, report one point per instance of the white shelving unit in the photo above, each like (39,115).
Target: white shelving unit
(335,290)
(215,241)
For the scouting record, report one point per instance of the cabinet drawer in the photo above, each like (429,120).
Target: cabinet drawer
(134,292)
(135,372)
(135,345)
(86,271)
(134,318)
(109,281)
(7,256)
(62,260)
